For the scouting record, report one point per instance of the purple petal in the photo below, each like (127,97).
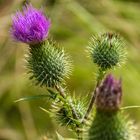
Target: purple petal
(30,26)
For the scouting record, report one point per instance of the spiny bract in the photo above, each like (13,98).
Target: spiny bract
(65,116)
(47,64)
(107,50)
(111,126)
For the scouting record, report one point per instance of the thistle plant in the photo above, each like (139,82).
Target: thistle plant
(48,66)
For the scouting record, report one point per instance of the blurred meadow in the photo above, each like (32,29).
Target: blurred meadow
(73,23)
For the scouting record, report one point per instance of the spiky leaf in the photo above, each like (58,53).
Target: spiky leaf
(35,97)
(65,115)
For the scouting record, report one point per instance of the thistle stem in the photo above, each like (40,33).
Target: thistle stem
(90,106)
(100,76)
(61,91)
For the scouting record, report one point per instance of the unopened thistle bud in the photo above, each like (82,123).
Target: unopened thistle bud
(30,26)
(109,122)
(107,50)
(48,65)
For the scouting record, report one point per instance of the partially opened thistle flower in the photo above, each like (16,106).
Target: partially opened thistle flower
(109,94)
(30,26)
(109,122)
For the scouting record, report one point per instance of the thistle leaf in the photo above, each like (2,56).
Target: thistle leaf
(129,107)
(35,97)
(64,115)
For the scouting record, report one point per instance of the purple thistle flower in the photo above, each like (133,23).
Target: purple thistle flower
(109,94)
(30,26)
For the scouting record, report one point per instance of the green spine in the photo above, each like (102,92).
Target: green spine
(111,126)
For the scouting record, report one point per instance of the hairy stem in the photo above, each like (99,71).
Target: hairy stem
(100,76)
(90,106)
(61,91)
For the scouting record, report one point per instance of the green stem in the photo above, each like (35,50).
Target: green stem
(61,91)
(101,74)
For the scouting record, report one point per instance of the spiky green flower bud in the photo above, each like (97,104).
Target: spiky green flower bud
(47,64)
(66,116)
(107,50)
(109,122)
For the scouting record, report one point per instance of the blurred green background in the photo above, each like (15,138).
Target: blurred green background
(73,23)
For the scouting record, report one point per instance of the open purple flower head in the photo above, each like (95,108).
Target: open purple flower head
(30,26)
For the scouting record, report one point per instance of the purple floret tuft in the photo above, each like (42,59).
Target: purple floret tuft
(109,81)
(30,26)
(109,94)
